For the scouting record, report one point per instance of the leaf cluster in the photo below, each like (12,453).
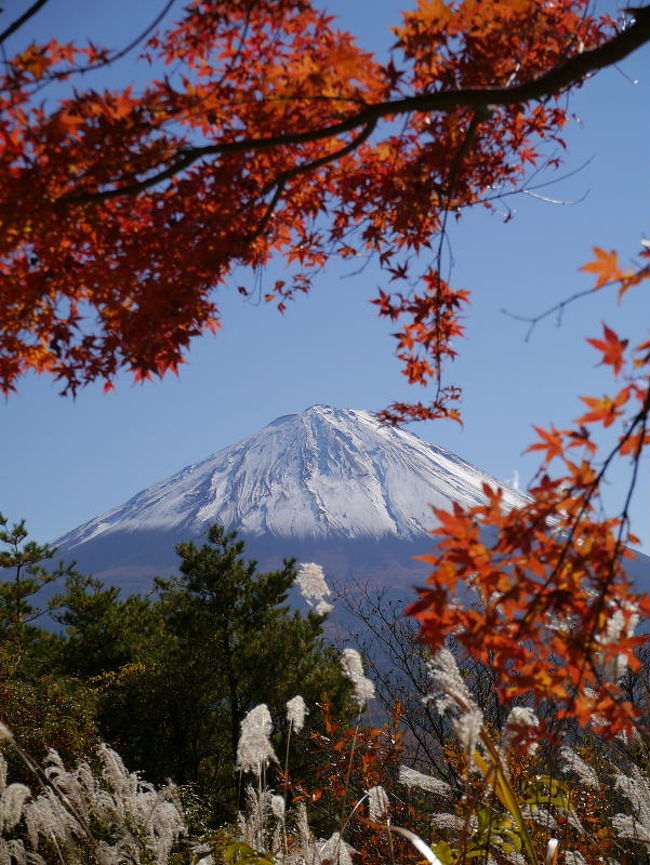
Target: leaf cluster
(264,130)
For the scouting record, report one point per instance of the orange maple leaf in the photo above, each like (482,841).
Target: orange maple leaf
(605,266)
(604,409)
(552,442)
(612,348)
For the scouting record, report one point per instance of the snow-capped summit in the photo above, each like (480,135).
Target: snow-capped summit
(323,473)
(326,485)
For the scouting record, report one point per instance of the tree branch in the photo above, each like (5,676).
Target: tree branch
(113,58)
(280,182)
(560,306)
(569,73)
(18,23)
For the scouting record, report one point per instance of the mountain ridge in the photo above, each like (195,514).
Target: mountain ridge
(327,485)
(319,473)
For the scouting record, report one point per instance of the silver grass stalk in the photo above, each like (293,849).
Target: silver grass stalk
(255,827)
(449,822)
(629,829)
(13,852)
(572,820)
(142,823)
(574,857)
(636,790)
(352,665)
(412,778)
(313,587)
(11,805)
(306,840)
(519,719)
(48,818)
(336,850)
(280,837)
(451,695)
(540,816)
(254,749)
(378,803)
(596,719)
(620,623)
(278,807)
(573,764)
(467,727)
(296,712)
(450,690)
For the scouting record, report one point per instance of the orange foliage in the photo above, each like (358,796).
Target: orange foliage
(553,611)
(269,132)
(349,761)
(265,130)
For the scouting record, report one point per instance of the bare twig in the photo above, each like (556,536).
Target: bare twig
(111,58)
(558,308)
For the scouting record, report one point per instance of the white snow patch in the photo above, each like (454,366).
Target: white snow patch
(321,473)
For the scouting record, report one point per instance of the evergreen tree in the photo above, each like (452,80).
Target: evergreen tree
(175,676)
(103,633)
(23,575)
(234,644)
(41,708)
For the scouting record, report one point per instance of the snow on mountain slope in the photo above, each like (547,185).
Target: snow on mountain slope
(323,473)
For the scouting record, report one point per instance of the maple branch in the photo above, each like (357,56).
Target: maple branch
(22,19)
(641,418)
(559,307)
(571,72)
(281,181)
(447,191)
(479,115)
(127,48)
(109,59)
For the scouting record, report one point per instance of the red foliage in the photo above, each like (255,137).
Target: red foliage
(554,611)
(267,131)
(348,763)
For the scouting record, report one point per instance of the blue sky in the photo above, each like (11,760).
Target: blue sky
(66,461)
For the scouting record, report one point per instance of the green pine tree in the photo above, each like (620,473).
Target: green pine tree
(175,676)
(23,577)
(42,709)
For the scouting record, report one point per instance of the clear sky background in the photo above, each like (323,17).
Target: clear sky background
(63,461)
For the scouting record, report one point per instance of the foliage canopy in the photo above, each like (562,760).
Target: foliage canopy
(266,131)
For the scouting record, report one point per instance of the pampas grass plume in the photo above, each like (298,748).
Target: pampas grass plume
(364,689)
(254,750)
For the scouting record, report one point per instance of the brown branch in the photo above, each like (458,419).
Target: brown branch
(448,191)
(560,306)
(572,71)
(281,181)
(640,419)
(18,23)
(112,58)
(479,115)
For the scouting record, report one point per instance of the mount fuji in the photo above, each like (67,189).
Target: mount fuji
(327,485)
